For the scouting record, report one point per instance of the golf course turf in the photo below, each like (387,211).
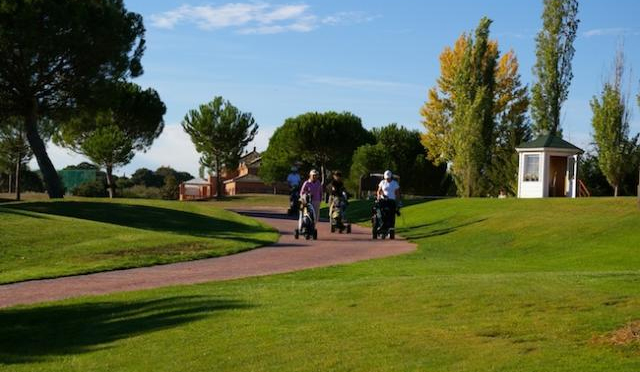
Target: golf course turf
(496,285)
(56,238)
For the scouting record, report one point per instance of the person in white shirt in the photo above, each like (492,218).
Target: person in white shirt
(389,191)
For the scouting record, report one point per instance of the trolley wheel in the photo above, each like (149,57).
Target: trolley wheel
(392,234)
(383,236)
(315,234)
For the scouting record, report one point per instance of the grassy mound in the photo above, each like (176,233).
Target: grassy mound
(48,239)
(496,285)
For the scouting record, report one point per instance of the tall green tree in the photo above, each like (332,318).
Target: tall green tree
(610,123)
(220,132)
(512,126)
(127,120)
(55,53)
(323,140)
(552,71)
(459,113)
(476,114)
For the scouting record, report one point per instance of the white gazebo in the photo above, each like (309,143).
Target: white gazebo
(548,167)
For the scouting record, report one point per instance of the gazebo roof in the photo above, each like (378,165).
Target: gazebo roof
(549,141)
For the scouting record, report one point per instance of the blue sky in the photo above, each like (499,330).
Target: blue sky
(375,58)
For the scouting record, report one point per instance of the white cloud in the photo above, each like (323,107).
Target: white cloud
(348,17)
(173,148)
(254,18)
(614,31)
(346,82)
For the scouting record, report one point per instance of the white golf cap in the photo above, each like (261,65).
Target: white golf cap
(388,174)
(313,172)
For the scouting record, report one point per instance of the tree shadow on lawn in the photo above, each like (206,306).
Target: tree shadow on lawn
(17,212)
(145,217)
(37,334)
(360,210)
(411,233)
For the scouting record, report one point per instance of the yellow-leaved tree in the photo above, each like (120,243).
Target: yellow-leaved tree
(476,115)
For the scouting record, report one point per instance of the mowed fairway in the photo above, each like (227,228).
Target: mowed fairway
(496,285)
(49,239)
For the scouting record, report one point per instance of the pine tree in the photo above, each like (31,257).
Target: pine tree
(220,132)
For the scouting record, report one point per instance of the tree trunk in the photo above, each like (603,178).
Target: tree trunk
(615,191)
(218,179)
(51,179)
(110,188)
(18,164)
(9,186)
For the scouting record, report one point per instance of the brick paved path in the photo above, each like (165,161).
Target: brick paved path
(286,255)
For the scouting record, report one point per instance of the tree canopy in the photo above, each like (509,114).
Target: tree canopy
(409,160)
(128,119)
(610,123)
(323,140)
(220,132)
(55,53)
(475,115)
(553,72)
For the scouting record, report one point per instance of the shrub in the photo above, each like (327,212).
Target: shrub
(170,190)
(96,189)
(142,192)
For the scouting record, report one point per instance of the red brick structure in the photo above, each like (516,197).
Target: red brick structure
(248,182)
(198,189)
(244,180)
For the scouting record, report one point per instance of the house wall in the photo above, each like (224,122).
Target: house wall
(236,188)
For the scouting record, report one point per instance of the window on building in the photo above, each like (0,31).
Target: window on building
(531,168)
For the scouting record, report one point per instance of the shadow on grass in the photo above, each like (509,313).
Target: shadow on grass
(260,214)
(17,212)
(36,334)
(411,233)
(360,210)
(147,218)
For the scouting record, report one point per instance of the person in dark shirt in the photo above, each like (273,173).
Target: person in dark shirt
(336,186)
(337,200)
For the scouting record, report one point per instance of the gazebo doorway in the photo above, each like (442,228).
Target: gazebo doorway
(558,173)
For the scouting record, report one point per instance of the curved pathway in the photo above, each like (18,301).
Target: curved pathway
(284,256)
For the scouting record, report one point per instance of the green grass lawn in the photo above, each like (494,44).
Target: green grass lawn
(496,285)
(54,238)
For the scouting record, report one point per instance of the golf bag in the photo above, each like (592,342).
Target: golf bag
(337,214)
(383,218)
(294,200)
(306,220)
